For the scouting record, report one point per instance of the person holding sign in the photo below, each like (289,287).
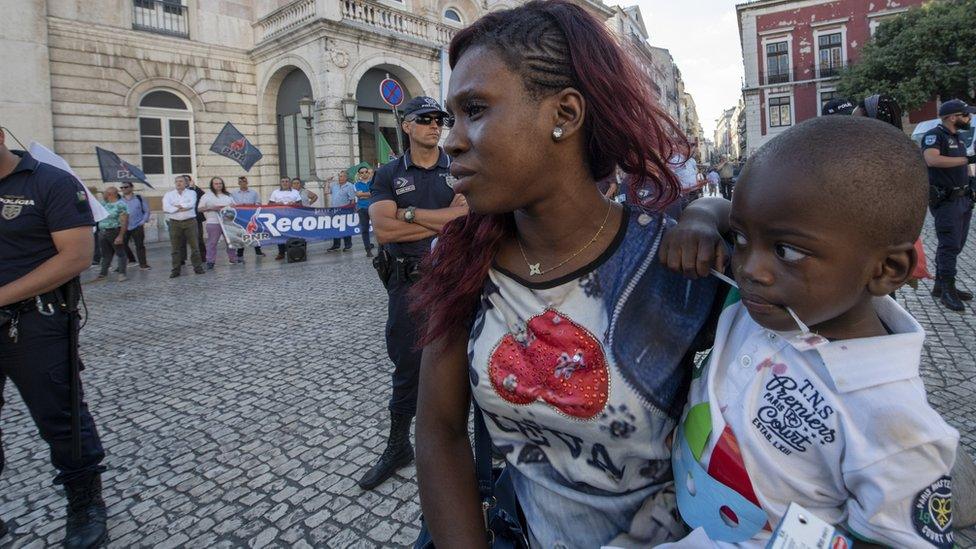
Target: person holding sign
(412,201)
(284,196)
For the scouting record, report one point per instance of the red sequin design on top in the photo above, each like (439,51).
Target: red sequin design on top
(556,361)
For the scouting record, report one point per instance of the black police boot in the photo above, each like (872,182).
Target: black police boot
(963,295)
(86,513)
(398,453)
(949,296)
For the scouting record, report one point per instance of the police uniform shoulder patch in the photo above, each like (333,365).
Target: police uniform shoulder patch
(930,140)
(932,513)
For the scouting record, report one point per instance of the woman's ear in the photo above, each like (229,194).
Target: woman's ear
(570,111)
(894,270)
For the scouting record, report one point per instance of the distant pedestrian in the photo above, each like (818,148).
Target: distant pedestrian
(342,195)
(284,196)
(881,107)
(364,185)
(179,205)
(190,184)
(112,234)
(308,197)
(726,172)
(609,185)
(713,180)
(246,197)
(97,256)
(139,214)
(950,197)
(216,199)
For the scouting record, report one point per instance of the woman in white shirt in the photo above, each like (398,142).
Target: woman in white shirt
(214,200)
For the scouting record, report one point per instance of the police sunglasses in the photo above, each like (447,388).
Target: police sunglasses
(426,119)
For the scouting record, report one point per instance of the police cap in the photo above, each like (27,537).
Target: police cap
(955,106)
(422,105)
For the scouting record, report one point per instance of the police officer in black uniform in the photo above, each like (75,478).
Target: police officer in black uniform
(950,196)
(412,201)
(45,243)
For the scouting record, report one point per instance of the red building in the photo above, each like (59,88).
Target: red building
(793,51)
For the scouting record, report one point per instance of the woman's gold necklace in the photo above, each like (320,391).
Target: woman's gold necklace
(534,268)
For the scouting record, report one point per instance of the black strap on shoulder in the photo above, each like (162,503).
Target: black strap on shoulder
(482,454)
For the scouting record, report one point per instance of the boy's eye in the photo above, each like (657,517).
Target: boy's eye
(789,253)
(739,239)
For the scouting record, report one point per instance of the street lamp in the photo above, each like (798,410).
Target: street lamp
(349,107)
(306,106)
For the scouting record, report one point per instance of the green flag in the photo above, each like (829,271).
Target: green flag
(384,152)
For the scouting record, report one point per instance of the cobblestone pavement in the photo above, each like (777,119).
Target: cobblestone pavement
(240,407)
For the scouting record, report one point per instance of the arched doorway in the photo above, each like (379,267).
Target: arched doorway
(377,126)
(294,137)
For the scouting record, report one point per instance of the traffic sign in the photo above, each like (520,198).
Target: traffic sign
(391,92)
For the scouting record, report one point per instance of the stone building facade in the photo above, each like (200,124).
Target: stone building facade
(793,52)
(156,80)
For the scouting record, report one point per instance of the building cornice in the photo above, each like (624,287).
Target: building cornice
(777,30)
(831,22)
(128,38)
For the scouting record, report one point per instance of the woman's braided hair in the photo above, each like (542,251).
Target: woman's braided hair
(553,45)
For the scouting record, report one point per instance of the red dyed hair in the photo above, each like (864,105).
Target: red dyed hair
(552,45)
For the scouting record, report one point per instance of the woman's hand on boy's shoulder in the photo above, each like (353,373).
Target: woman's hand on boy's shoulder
(695,245)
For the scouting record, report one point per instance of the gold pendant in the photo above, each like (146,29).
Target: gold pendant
(534,269)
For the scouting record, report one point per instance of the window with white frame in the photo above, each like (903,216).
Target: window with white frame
(777,62)
(780,112)
(830,51)
(165,135)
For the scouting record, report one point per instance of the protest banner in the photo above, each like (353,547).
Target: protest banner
(260,225)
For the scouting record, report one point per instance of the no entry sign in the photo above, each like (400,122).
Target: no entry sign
(391,92)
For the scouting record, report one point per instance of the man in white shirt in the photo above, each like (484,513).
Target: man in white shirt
(179,205)
(285,196)
(246,197)
(713,181)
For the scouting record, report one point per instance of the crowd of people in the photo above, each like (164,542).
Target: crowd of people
(193,220)
(573,324)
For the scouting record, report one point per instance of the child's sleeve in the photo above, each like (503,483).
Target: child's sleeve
(905,499)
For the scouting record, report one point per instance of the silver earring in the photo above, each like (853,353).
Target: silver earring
(557,132)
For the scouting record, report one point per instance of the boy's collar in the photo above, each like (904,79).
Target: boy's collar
(855,364)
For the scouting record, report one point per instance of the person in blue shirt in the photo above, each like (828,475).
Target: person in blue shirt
(343,195)
(45,243)
(139,214)
(364,186)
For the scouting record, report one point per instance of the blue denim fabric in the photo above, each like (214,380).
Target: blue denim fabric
(650,350)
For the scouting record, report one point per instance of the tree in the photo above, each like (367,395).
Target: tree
(926,52)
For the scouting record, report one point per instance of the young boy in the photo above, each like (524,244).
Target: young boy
(834,418)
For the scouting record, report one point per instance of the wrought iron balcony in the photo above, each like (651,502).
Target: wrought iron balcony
(160,16)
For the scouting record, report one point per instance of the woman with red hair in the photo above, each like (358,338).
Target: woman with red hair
(547,303)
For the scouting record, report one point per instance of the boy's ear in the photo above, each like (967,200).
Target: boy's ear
(895,269)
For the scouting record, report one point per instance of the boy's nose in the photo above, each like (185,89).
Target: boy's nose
(755,268)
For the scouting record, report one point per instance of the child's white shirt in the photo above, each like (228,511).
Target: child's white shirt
(845,430)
